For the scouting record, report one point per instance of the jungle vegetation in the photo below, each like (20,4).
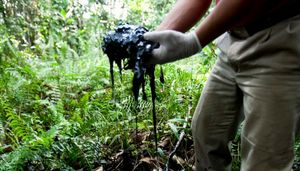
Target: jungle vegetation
(57,108)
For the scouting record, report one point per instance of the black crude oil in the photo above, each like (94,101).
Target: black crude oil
(126,47)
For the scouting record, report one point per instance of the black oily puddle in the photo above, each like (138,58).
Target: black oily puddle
(126,47)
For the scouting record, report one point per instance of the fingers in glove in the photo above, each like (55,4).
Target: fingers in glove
(155,36)
(155,57)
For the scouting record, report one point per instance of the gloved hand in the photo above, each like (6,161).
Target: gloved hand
(174,45)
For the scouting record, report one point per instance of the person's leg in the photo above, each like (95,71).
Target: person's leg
(216,118)
(269,77)
(271,115)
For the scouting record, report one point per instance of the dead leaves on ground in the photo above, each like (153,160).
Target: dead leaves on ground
(142,157)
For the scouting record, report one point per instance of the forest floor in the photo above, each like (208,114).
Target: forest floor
(182,158)
(143,159)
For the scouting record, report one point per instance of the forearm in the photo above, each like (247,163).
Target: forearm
(184,15)
(227,15)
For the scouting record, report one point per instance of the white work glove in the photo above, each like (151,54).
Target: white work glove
(174,45)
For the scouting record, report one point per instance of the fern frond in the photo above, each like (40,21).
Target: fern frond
(21,129)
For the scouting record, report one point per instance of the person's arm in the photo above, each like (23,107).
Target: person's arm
(227,15)
(175,45)
(184,15)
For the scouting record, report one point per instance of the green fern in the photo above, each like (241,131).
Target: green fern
(21,129)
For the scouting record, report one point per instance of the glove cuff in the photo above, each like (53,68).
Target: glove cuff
(196,41)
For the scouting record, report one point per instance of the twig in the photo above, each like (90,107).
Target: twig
(182,134)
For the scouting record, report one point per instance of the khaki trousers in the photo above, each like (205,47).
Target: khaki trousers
(256,79)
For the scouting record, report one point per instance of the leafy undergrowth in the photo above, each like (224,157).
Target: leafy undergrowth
(57,107)
(61,114)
